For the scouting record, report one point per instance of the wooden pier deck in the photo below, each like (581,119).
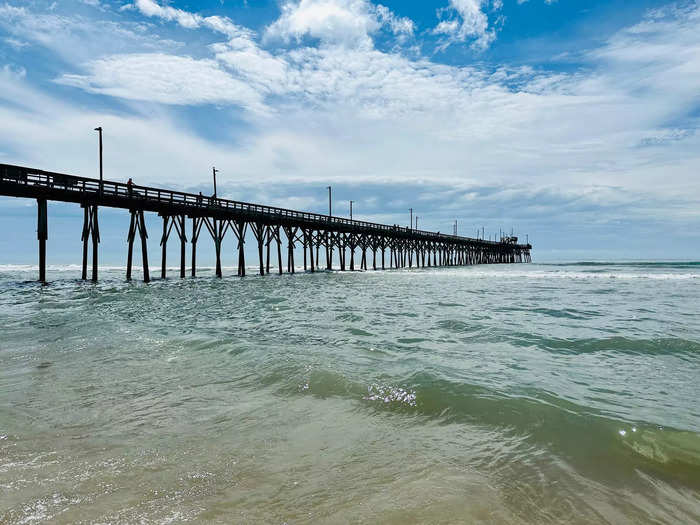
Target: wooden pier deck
(322,234)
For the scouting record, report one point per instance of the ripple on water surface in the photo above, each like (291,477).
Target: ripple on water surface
(527,393)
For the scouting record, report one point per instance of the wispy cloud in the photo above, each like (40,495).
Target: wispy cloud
(465,20)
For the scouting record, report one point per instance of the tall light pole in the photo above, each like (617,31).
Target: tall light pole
(351,209)
(411,223)
(416,222)
(214,171)
(99,131)
(330,211)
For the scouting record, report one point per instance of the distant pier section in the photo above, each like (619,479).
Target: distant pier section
(324,239)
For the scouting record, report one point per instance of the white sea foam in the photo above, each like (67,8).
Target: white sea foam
(465,272)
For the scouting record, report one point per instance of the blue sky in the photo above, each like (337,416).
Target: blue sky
(572,122)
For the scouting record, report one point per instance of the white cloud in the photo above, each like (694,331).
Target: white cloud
(260,69)
(401,26)
(468,22)
(75,38)
(191,20)
(164,79)
(14,43)
(346,22)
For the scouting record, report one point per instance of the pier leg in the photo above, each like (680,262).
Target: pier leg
(217,246)
(196,226)
(318,248)
(183,241)
(130,241)
(259,233)
(95,242)
(84,238)
(240,230)
(311,249)
(291,234)
(304,246)
(279,248)
(341,252)
(144,248)
(267,248)
(42,233)
(164,246)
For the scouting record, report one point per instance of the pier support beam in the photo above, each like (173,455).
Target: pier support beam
(239,229)
(91,232)
(42,234)
(180,227)
(164,245)
(144,247)
(258,229)
(95,242)
(178,222)
(137,224)
(130,242)
(196,228)
(290,232)
(217,230)
(304,244)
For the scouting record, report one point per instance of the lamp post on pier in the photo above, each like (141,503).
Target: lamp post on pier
(411,222)
(330,210)
(214,171)
(351,209)
(99,132)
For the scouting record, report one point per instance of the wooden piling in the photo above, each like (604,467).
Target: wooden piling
(95,242)
(144,246)
(164,246)
(42,234)
(130,242)
(84,238)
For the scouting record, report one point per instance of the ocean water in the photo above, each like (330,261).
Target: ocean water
(491,394)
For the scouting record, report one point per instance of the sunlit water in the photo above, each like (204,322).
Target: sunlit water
(492,394)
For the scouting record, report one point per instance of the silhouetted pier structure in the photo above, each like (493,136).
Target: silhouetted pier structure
(319,235)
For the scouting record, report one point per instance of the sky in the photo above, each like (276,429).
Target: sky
(571,122)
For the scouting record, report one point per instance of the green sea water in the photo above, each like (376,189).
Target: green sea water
(561,393)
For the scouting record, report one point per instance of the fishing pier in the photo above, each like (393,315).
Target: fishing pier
(320,236)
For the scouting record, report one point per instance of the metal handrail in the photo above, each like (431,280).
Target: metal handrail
(89,186)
